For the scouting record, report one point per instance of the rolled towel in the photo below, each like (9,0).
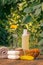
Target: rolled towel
(13,57)
(4,56)
(3,52)
(12,52)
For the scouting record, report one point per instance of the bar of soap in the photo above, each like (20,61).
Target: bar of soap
(25,57)
(13,57)
(13,52)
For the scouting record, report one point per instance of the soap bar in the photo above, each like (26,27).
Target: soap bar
(13,52)
(26,57)
(13,57)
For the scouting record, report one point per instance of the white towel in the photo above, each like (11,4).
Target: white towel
(13,57)
(11,52)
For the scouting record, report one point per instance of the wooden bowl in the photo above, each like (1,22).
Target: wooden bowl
(33,52)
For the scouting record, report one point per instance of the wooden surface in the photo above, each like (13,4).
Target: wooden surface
(38,61)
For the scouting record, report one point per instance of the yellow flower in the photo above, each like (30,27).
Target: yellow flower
(13,26)
(27,57)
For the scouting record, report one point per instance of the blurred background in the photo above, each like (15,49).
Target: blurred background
(16,15)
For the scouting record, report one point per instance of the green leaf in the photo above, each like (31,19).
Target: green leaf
(32,0)
(28,10)
(11,1)
(37,12)
(37,6)
(40,42)
(41,24)
(3,2)
(27,18)
(32,8)
(41,35)
(42,6)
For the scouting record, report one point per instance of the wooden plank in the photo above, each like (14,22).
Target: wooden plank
(38,61)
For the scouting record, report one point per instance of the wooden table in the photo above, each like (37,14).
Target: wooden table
(38,61)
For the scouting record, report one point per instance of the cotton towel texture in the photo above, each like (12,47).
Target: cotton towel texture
(9,54)
(3,52)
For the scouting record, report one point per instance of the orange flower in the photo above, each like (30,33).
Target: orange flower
(13,26)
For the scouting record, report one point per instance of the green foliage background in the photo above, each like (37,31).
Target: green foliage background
(27,14)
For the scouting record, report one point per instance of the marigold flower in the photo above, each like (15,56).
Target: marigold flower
(13,26)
